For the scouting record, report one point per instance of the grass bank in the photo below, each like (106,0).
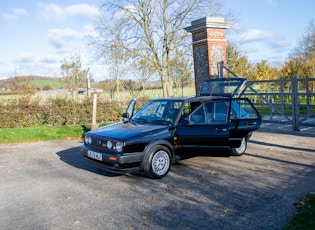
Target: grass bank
(31,134)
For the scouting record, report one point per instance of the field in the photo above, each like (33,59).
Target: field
(44,84)
(123,95)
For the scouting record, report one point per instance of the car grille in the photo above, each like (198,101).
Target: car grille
(99,142)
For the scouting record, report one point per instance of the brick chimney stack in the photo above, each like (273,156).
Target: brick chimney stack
(209,47)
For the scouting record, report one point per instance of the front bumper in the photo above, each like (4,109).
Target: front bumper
(116,163)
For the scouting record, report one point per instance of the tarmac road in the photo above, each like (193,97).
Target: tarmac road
(49,185)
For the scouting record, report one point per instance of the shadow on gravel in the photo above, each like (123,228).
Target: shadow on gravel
(301,133)
(280,160)
(282,146)
(203,193)
(74,158)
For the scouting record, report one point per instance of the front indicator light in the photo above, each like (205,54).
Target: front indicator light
(113,158)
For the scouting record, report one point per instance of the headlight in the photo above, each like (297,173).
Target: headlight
(88,139)
(109,144)
(119,146)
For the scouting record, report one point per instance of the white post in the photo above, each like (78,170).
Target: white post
(94,125)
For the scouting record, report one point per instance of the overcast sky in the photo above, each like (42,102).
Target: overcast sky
(35,36)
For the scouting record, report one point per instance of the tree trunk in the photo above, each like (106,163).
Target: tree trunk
(167,88)
(117,88)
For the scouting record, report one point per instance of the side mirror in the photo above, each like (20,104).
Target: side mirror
(184,121)
(126,115)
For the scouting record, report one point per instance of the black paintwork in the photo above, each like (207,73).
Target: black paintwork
(172,123)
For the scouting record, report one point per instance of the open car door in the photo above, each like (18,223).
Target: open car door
(244,119)
(130,109)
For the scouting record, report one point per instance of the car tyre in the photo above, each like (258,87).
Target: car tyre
(157,162)
(240,150)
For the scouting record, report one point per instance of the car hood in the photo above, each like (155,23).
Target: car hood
(128,130)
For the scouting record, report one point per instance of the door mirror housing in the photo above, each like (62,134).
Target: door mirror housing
(125,115)
(184,121)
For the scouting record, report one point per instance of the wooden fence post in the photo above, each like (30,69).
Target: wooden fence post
(94,125)
(295,103)
(272,110)
(281,84)
(307,91)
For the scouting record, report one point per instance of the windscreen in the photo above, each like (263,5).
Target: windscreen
(159,111)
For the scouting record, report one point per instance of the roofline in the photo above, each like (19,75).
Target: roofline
(192,98)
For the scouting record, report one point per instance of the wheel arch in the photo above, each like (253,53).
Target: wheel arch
(164,143)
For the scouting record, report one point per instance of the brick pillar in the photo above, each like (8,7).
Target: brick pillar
(209,47)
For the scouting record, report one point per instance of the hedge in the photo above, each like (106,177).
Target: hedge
(25,112)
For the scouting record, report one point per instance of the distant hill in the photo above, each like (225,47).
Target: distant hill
(35,82)
(26,78)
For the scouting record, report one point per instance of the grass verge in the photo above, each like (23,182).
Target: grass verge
(31,134)
(305,217)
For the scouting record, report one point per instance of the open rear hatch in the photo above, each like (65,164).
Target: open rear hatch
(229,87)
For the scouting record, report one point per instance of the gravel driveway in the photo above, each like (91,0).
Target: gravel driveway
(49,185)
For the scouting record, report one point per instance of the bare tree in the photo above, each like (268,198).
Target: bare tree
(182,70)
(118,61)
(151,31)
(73,76)
(144,72)
(306,45)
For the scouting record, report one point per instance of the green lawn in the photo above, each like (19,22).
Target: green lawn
(31,134)
(305,217)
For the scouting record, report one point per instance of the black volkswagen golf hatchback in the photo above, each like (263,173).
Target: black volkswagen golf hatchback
(149,140)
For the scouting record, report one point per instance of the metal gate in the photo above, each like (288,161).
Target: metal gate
(289,101)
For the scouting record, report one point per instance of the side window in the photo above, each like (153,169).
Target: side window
(211,113)
(242,109)
(189,107)
(220,112)
(198,116)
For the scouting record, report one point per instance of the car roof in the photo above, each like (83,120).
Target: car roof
(196,98)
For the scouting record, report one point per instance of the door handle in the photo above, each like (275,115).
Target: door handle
(251,123)
(221,130)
